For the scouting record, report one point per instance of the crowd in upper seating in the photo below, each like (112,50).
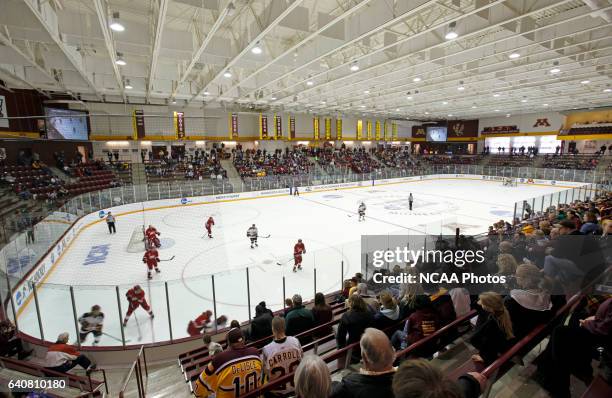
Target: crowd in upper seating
(258,162)
(197,166)
(356,160)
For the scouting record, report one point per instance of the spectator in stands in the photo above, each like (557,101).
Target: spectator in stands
(261,325)
(280,356)
(389,312)
(494,328)
(322,313)
(418,378)
(299,320)
(62,357)
(312,378)
(375,377)
(421,323)
(443,306)
(231,370)
(408,294)
(590,225)
(530,304)
(353,323)
(212,347)
(288,306)
(571,349)
(371,302)
(10,344)
(506,266)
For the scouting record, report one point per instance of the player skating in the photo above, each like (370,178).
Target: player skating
(91,322)
(361,211)
(152,237)
(209,223)
(197,326)
(410,200)
(252,234)
(296,192)
(151,258)
(136,298)
(298,250)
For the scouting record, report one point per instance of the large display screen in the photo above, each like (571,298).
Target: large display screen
(66,124)
(436,134)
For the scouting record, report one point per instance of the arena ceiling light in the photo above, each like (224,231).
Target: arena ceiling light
(514,55)
(309,83)
(128,86)
(585,82)
(450,115)
(524,100)
(173,101)
(120,61)
(451,34)
(354,67)
(362,106)
(227,75)
(496,95)
(416,79)
(366,91)
(427,113)
(508,115)
(444,103)
(397,109)
(273,98)
(473,106)
(257,49)
(496,110)
(115,23)
(206,93)
(607,90)
(460,88)
(409,97)
(544,104)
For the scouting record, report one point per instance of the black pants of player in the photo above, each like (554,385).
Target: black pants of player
(111,228)
(410,205)
(253,241)
(569,351)
(81,360)
(83,334)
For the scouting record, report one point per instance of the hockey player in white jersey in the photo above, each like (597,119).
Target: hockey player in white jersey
(91,322)
(281,356)
(252,235)
(361,211)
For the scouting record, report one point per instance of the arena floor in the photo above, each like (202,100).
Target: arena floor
(325,221)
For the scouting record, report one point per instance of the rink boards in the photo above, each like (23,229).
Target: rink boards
(23,293)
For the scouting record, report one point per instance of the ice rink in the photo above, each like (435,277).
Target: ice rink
(325,221)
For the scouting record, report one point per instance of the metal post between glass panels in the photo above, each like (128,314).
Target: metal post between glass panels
(10,292)
(214,300)
(168,309)
(36,304)
(248,280)
(75,317)
(120,316)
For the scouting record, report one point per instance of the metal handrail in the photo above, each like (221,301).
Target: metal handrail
(137,369)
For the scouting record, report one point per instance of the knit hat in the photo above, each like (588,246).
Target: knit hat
(234,336)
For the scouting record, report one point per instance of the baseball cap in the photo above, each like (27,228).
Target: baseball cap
(234,336)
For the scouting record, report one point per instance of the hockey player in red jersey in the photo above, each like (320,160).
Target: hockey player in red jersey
(151,258)
(136,298)
(298,250)
(209,223)
(152,237)
(196,326)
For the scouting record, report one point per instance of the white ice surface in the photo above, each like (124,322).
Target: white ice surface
(326,221)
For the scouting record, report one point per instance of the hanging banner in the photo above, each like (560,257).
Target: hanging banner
(263,127)
(377,131)
(278,127)
(369,129)
(387,132)
(394,131)
(179,125)
(138,123)
(291,127)
(316,128)
(328,128)
(233,126)
(359,129)
(338,129)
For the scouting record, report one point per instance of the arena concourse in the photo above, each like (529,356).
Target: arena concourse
(312,199)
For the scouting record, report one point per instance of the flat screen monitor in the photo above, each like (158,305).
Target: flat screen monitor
(436,134)
(66,124)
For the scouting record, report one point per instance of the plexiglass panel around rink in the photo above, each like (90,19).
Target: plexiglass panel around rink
(224,280)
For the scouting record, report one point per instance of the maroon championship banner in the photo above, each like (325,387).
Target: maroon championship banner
(278,127)
(179,125)
(233,124)
(291,127)
(139,124)
(263,127)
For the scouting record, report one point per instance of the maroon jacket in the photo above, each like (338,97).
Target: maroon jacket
(602,324)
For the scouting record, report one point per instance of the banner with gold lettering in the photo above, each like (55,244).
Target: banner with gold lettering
(291,127)
(179,125)
(316,128)
(328,128)
(338,129)
(278,127)
(263,127)
(233,126)
(139,124)
(387,132)
(394,136)
(377,130)
(369,129)
(359,130)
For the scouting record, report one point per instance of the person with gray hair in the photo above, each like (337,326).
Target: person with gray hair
(312,378)
(376,376)
(300,319)
(371,302)
(61,357)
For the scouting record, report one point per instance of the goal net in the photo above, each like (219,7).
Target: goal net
(510,182)
(137,240)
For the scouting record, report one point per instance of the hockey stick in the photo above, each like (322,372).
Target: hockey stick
(167,259)
(138,328)
(264,237)
(115,338)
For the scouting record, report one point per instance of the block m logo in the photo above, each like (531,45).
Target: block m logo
(542,123)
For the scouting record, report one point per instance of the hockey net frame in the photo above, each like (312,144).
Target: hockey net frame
(510,182)
(137,243)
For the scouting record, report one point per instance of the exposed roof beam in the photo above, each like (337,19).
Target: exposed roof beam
(14,76)
(246,48)
(2,86)
(157,38)
(305,40)
(102,12)
(198,53)
(53,32)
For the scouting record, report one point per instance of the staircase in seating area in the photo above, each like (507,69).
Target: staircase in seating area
(163,381)
(538,161)
(232,174)
(604,163)
(139,180)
